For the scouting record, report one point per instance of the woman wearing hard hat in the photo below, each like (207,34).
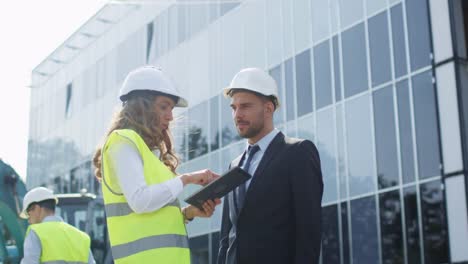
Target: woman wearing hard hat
(136,166)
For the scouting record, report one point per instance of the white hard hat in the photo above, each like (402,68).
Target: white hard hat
(256,80)
(35,195)
(150,78)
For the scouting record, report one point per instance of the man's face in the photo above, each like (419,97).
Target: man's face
(34,212)
(248,112)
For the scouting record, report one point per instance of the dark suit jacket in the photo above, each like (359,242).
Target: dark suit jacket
(280,221)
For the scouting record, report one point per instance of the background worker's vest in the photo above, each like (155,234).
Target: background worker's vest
(155,237)
(62,242)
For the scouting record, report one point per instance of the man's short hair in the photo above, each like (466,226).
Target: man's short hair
(262,96)
(48,204)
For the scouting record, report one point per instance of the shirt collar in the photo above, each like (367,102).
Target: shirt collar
(265,141)
(52,218)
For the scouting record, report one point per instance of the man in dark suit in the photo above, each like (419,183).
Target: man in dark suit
(276,216)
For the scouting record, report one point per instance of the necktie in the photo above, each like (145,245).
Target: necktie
(246,165)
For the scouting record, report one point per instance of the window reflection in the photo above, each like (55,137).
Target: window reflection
(433,219)
(322,74)
(418,33)
(289,89)
(197,131)
(390,227)
(385,138)
(303,83)
(277,74)
(379,45)
(345,232)
(214,128)
(326,147)
(354,60)
(412,225)
(405,126)
(330,237)
(228,129)
(425,116)
(359,146)
(398,37)
(364,230)
(336,68)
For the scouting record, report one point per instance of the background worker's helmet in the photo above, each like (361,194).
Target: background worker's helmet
(255,80)
(35,195)
(150,78)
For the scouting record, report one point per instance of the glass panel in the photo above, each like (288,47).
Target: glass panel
(198,15)
(305,127)
(322,74)
(330,237)
(360,153)
(289,89)
(341,152)
(214,129)
(398,34)
(427,136)
(375,6)
(433,220)
(320,18)
(302,23)
(228,129)
(274,32)
(303,83)
(412,242)
(354,60)
(352,11)
(364,230)
(276,73)
(182,31)
(385,138)
(391,228)
(326,147)
(405,126)
(336,69)
(418,33)
(197,134)
(345,233)
(379,49)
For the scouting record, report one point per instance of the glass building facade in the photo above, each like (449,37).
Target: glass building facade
(378,85)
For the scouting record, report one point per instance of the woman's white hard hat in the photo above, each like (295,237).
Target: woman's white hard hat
(150,78)
(255,80)
(36,195)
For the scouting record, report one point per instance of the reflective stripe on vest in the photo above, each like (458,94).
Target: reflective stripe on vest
(121,209)
(62,243)
(155,237)
(63,262)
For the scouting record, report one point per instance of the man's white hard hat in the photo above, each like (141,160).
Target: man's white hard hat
(255,80)
(150,78)
(35,195)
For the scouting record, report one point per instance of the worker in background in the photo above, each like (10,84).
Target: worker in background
(137,169)
(49,238)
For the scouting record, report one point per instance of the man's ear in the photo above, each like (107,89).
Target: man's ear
(270,108)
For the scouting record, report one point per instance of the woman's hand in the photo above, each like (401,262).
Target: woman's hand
(201,177)
(208,209)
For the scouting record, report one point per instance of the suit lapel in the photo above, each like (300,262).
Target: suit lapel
(272,149)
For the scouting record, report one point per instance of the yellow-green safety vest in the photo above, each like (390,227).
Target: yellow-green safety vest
(61,243)
(155,237)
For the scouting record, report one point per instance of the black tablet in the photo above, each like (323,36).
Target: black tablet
(219,188)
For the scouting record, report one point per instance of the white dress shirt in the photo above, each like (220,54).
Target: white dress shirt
(128,167)
(263,143)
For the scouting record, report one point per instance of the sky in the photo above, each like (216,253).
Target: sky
(30,31)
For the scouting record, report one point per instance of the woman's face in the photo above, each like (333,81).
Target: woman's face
(163,106)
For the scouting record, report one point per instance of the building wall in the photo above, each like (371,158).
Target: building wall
(357,77)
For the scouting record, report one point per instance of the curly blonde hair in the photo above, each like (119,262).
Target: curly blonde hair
(138,113)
